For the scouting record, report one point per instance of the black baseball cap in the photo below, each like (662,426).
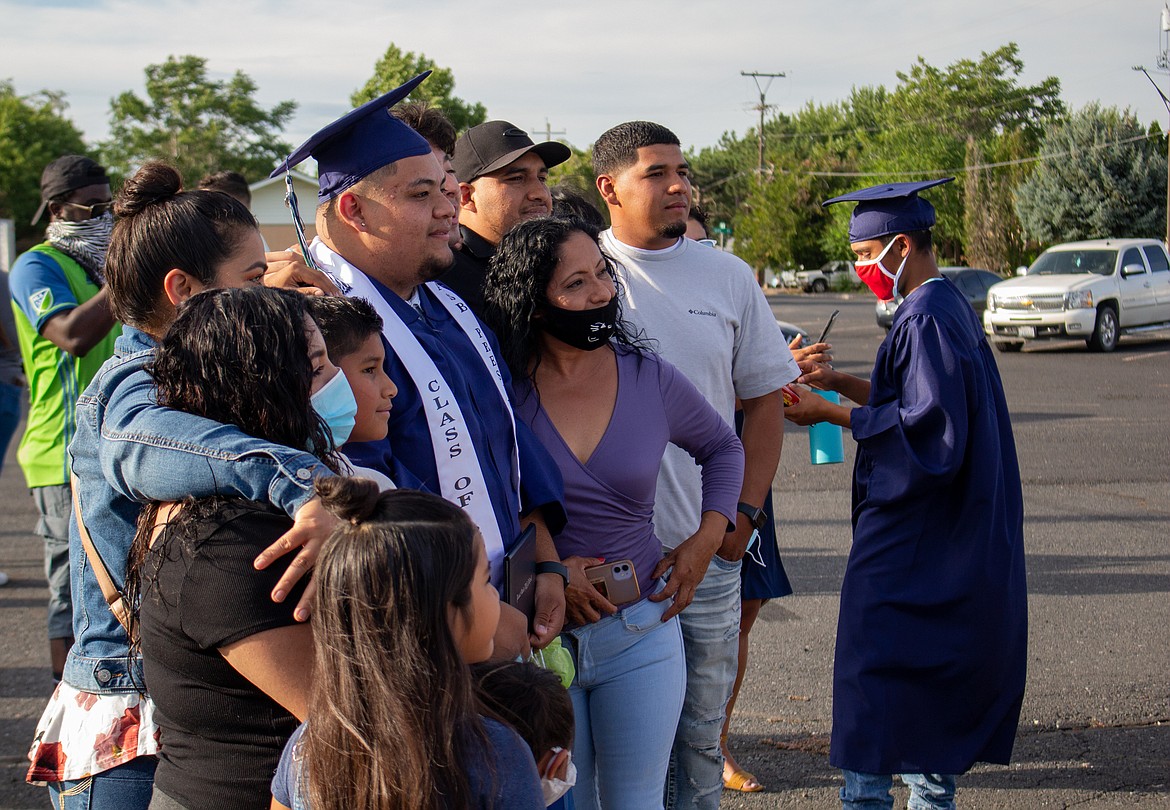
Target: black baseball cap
(67,174)
(493,145)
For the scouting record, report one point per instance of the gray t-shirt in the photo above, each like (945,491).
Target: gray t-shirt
(710,319)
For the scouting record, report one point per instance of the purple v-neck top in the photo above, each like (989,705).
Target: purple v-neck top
(610,498)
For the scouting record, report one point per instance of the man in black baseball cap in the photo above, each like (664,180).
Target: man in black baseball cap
(503,180)
(67,175)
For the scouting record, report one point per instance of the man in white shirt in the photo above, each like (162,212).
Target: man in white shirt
(709,318)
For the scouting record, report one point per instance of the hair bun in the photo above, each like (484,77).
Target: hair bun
(350,499)
(153,183)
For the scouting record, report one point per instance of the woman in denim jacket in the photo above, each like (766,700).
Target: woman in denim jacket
(96,741)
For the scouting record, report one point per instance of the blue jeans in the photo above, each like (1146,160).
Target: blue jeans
(9,415)
(710,629)
(871,791)
(126,787)
(626,701)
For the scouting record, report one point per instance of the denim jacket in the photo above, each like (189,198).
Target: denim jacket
(128,450)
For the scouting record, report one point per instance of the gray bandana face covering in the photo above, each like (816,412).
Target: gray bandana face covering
(86,242)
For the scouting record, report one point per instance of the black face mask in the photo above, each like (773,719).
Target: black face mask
(585,329)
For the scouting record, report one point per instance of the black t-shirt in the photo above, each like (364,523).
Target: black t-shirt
(466,275)
(221,736)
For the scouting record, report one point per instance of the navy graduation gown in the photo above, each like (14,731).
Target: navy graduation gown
(932,636)
(406,455)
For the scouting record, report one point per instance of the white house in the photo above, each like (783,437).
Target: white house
(274,216)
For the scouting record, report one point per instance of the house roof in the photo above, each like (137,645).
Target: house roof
(267,181)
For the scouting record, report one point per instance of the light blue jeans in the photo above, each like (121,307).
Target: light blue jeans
(710,629)
(631,676)
(871,791)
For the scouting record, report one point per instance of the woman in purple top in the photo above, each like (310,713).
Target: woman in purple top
(605,409)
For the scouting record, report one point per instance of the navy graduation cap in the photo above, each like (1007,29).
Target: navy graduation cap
(889,208)
(360,142)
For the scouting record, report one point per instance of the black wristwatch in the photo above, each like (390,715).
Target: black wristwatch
(755,514)
(551,567)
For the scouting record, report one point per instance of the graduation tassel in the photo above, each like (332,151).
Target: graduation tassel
(290,200)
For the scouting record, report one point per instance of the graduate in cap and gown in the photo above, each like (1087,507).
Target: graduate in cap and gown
(929,671)
(382,224)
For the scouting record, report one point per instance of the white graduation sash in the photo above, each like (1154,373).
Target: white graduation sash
(461,478)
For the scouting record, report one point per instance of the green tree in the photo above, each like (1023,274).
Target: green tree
(972,112)
(937,118)
(196,124)
(1108,181)
(395,68)
(33,133)
(577,172)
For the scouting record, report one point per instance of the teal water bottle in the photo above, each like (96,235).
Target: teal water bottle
(825,445)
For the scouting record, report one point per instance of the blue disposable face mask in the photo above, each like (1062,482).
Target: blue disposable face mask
(336,406)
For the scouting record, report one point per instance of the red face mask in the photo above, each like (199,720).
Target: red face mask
(874,274)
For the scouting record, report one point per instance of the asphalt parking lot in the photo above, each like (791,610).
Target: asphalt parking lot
(1093,437)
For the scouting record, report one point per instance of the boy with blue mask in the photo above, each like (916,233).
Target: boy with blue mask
(352,331)
(932,638)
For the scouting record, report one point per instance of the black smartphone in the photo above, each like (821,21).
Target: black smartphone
(828,326)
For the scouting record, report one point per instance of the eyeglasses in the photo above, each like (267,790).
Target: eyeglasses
(95,210)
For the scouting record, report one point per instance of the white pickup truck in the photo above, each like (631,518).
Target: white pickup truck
(1095,290)
(823,278)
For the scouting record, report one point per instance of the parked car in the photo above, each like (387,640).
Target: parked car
(824,277)
(791,330)
(972,282)
(1096,290)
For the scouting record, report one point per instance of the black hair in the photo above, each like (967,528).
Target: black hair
(516,285)
(568,201)
(530,699)
(241,357)
(345,323)
(430,122)
(227,182)
(698,215)
(617,148)
(921,240)
(159,228)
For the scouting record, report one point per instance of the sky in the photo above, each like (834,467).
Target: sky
(576,67)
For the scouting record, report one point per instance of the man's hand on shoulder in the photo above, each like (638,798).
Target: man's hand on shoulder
(312,526)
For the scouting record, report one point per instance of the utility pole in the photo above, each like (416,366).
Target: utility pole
(1163,62)
(548,131)
(762,107)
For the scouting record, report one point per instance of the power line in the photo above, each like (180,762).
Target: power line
(891,127)
(762,107)
(976,167)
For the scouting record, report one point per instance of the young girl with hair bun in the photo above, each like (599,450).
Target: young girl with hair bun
(404,605)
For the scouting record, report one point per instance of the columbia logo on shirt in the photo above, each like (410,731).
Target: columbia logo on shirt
(706,312)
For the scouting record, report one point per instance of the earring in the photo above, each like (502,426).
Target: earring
(363,224)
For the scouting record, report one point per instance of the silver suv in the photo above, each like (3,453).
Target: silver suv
(1095,290)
